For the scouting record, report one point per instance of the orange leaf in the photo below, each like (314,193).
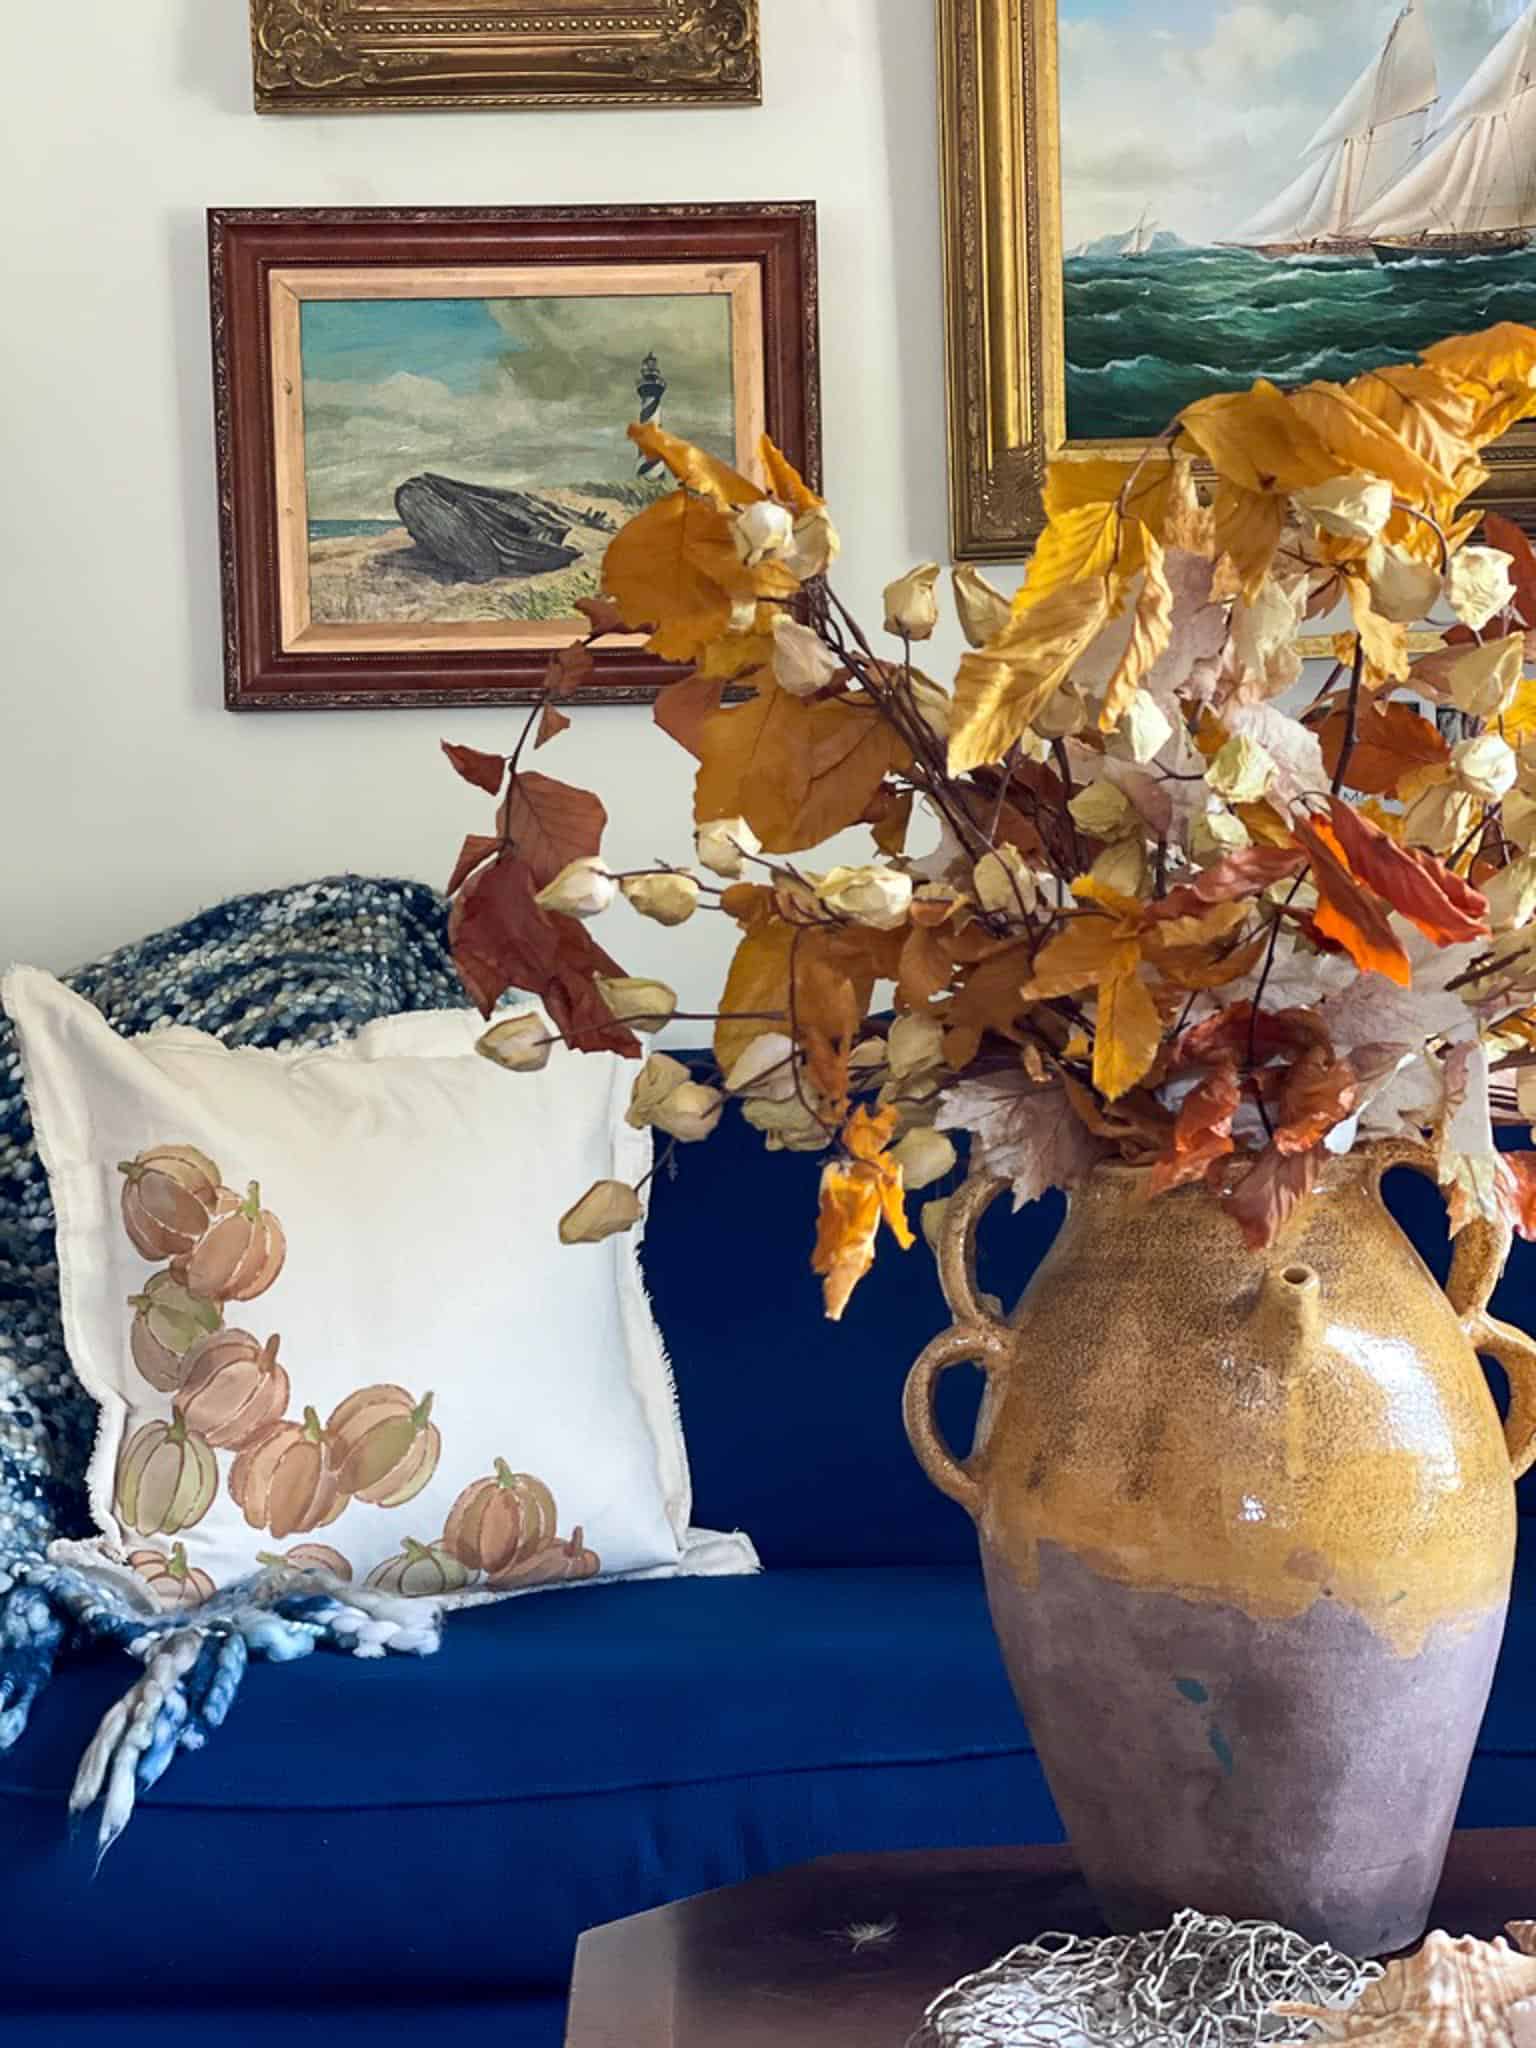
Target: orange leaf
(1390,739)
(827,1018)
(758,981)
(847,1223)
(785,480)
(797,772)
(549,823)
(1349,914)
(990,997)
(1443,906)
(551,724)
(1521,1168)
(693,468)
(1193,968)
(1075,959)
(681,710)
(1248,873)
(653,576)
(1203,1132)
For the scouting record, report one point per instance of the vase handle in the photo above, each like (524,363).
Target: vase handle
(1477,1265)
(957,1248)
(965,1344)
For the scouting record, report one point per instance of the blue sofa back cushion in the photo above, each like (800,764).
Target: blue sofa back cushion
(793,1423)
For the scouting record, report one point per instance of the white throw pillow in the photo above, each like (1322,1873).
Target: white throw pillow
(321,1301)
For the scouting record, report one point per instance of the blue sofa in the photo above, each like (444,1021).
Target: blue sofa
(368,1849)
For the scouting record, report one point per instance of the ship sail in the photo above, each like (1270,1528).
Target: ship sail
(1358,152)
(1475,185)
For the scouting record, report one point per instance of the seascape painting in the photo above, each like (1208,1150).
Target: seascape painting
(1289,188)
(465,460)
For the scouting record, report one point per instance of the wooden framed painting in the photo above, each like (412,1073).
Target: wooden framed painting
(1147,201)
(368,56)
(422,428)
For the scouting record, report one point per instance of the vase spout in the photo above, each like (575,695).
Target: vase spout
(1287,1317)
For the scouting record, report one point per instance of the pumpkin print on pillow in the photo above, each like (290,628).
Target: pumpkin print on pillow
(320,1299)
(229,1392)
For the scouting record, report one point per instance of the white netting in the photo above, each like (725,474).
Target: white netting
(1204,1982)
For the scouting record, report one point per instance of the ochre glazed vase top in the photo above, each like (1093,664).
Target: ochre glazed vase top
(1265,1430)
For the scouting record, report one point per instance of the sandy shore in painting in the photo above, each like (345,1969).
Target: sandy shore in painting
(385,579)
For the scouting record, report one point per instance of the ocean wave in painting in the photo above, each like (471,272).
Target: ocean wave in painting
(1146,336)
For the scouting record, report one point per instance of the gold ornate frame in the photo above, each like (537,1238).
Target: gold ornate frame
(999,100)
(368,56)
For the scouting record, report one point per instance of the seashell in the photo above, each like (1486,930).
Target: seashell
(1455,1993)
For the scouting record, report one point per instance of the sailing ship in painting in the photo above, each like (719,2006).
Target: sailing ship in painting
(1390,178)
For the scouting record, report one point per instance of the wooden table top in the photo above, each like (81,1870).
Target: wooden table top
(770,1964)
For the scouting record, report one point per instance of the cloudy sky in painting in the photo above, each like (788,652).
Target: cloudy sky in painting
(499,391)
(1200,108)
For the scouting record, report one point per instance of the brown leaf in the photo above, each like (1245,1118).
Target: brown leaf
(797,772)
(1348,914)
(502,940)
(1263,1200)
(549,824)
(1198,968)
(1248,873)
(1443,906)
(1229,1034)
(551,724)
(1317,1093)
(1029,1135)
(889,812)
(1075,958)
(485,771)
(1390,739)
(990,997)
(569,668)
(682,709)
(601,614)
(1203,1131)
(475,852)
(827,1019)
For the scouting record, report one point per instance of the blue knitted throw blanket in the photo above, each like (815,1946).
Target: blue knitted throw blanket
(304,966)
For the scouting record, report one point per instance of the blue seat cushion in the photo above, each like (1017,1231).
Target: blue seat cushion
(448,1826)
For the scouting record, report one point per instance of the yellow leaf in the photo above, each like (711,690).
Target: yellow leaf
(1255,440)
(785,481)
(998,694)
(1075,959)
(1079,544)
(1143,489)
(1189,524)
(758,980)
(1129,1030)
(1518,722)
(1246,529)
(737,654)
(695,469)
(651,576)
(1151,635)
(1361,444)
(1386,645)
(1503,354)
(1424,407)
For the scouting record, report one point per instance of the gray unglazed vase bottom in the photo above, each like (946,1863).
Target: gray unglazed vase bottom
(1293,1770)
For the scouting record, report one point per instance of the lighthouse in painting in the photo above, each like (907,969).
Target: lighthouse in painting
(652,389)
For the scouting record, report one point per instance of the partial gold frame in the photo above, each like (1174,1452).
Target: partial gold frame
(999,104)
(370,56)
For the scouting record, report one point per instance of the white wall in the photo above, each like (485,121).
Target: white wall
(128,795)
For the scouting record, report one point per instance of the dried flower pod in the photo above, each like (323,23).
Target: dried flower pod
(912,603)
(167,1478)
(1402,589)
(383,1445)
(915,1044)
(924,1156)
(791,1126)
(583,888)
(1004,883)
(1350,507)
(874,895)
(762,531)
(422,1571)
(690,1113)
(1485,766)
(666,899)
(234,1389)
(241,1253)
(1242,771)
(660,1077)
(1478,585)
(815,546)
(604,1210)
(724,846)
(169,1320)
(982,607)
(283,1481)
(520,1044)
(802,661)
(174,1584)
(1102,810)
(500,1522)
(170,1193)
(645,1006)
(766,1070)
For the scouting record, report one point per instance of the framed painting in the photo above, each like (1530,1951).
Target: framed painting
(368,56)
(422,428)
(1147,201)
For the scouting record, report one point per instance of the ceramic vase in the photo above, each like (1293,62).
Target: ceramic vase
(1248,1523)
